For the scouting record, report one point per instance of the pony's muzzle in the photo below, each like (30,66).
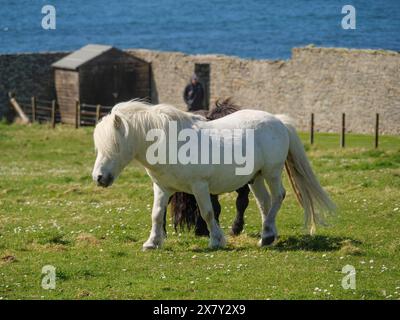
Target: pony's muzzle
(104,180)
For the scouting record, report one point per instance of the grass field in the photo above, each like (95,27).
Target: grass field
(52,214)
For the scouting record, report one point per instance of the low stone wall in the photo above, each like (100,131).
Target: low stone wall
(326,81)
(27,74)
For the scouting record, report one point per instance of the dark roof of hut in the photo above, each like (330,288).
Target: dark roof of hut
(78,58)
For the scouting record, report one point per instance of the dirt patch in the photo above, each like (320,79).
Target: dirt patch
(49,247)
(349,248)
(83,294)
(8,258)
(87,239)
(75,190)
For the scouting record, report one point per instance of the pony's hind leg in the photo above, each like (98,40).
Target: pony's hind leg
(200,228)
(242,202)
(269,231)
(201,192)
(263,201)
(157,234)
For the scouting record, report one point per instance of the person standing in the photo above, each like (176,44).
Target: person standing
(193,94)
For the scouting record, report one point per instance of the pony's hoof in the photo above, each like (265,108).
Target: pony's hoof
(236,230)
(218,243)
(150,246)
(267,241)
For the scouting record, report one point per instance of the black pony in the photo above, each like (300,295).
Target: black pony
(184,209)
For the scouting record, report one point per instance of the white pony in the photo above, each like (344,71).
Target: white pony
(121,137)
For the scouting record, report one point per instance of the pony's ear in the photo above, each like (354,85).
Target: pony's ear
(117,121)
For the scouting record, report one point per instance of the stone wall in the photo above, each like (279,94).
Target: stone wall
(326,81)
(27,74)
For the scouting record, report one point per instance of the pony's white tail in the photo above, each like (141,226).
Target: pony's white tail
(311,196)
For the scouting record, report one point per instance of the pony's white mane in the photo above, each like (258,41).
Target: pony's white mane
(138,116)
(106,138)
(154,116)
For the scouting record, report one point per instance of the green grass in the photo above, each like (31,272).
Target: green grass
(52,214)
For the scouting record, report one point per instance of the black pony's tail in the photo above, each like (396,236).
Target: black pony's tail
(184,210)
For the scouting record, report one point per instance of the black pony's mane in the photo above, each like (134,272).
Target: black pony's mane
(222,109)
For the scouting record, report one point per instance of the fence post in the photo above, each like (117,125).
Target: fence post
(377,130)
(53,114)
(33,103)
(17,108)
(343,135)
(98,109)
(312,129)
(10,96)
(77,115)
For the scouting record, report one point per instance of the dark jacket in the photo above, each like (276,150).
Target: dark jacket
(193,96)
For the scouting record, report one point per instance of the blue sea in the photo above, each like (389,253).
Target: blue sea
(251,28)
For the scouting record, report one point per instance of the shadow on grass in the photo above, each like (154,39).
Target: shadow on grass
(228,248)
(319,243)
(201,248)
(53,238)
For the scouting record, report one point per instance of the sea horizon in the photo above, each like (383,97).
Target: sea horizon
(252,29)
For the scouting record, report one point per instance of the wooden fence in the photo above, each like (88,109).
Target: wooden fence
(343,130)
(90,114)
(42,111)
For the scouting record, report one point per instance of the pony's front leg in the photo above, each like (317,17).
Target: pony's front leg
(202,195)
(160,203)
